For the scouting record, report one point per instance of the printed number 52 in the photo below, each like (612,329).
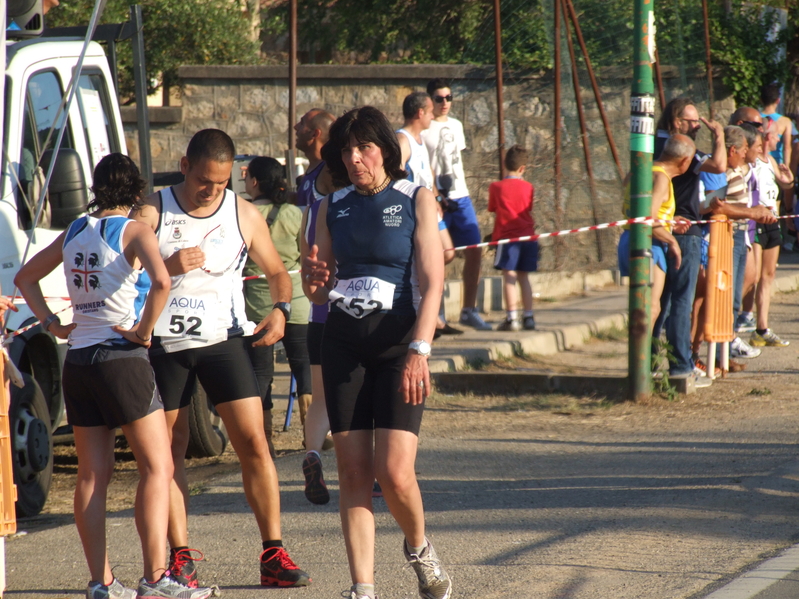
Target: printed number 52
(177,326)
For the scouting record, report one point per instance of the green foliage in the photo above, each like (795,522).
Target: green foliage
(741,40)
(176,32)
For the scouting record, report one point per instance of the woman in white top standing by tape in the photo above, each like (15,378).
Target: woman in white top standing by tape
(107,380)
(381,233)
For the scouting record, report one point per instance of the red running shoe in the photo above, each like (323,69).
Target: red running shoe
(277,570)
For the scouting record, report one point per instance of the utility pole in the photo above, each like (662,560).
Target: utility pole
(642,145)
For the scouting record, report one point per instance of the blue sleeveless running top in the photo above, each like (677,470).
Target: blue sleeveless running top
(306,192)
(373,243)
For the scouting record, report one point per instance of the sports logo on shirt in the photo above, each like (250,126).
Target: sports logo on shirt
(391,216)
(83,277)
(342,213)
(176,233)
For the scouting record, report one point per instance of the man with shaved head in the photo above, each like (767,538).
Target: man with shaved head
(748,116)
(311,133)
(681,117)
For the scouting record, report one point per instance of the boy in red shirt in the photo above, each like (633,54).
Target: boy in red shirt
(512,201)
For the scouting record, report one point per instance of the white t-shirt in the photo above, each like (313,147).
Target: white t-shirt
(445,142)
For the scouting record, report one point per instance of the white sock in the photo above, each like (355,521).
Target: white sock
(513,315)
(314,452)
(364,590)
(747,314)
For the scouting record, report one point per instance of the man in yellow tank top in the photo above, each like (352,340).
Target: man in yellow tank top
(674,161)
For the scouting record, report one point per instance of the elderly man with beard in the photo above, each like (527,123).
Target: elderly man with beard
(681,117)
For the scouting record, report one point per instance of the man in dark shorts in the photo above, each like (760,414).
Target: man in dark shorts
(205,232)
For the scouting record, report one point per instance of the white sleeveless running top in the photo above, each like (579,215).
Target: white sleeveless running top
(767,184)
(104,288)
(419,163)
(206,305)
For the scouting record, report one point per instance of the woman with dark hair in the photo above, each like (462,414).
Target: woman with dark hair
(110,263)
(377,257)
(265,183)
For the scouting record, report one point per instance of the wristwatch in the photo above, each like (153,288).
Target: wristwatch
(420,346)
(284,307)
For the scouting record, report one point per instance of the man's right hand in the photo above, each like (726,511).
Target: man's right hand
(184,261)
(763,215)
(715,127)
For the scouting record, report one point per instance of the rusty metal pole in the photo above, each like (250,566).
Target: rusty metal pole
(659,78)
(708,63)
(500,100)
(642,146)
(291,164)
(595,87)
(589,169)
(557,138)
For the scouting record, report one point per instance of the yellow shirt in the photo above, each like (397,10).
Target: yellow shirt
(667,208)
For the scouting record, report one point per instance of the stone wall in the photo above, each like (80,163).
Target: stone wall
(251,104)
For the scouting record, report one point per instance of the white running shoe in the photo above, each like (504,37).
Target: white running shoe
(168,588)
(115,590)
(434,582)
(741,349)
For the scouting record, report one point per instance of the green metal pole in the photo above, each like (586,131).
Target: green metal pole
(642,145)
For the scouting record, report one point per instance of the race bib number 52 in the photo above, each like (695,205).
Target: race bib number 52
(187,317)
(362,296)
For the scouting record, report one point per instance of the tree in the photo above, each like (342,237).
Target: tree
(176,32)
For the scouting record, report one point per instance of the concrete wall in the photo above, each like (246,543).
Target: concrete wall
(251,104)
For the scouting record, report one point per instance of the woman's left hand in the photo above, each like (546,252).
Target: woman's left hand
(415,379)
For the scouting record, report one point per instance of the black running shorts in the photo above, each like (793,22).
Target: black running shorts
(109,385)
(768,236)
(362,364)
(314,338)
(223,369)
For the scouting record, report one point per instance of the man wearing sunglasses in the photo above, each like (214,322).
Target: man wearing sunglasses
(445,141)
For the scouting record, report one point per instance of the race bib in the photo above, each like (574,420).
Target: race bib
(187,317)
(362,296)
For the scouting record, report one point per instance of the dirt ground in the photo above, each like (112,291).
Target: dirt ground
(768,386)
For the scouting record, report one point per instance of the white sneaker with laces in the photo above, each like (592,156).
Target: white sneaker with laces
(472,319)
(741,349)
(434,582)
(115,590)
(169,588)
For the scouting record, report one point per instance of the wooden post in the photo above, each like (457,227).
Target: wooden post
(500,101)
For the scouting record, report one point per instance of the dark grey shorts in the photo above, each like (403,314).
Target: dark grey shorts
(109,386)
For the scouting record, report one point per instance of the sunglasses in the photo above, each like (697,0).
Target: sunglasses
(754,124)
(440,99)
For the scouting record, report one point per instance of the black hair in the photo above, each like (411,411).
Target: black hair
(413,103)
(437,83)
(271,178)
(515,158)
(117,183)
(210,144)
(770,93)
(366,124)
(673,110)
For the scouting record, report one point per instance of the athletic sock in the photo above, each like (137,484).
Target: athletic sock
(513,315)
(313,451)
(761,331)
(747,315)
(527,313)
(272,544)
(176,549)
(364,590)
(415,550)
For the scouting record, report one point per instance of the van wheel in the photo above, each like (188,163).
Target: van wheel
(207,434)
(31,447)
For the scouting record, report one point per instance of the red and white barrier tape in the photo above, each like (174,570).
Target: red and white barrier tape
(10,337)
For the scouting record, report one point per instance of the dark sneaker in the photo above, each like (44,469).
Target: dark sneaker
(510,325)
(376,490)
(529,323)
(115,590)
(277,570)
(181,565)
(450,330)
(434,582)
(168,587)
(315,487)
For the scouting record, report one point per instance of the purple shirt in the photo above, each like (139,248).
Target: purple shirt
(306,192)
(318,313)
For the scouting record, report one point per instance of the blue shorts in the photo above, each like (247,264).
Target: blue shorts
(462,223)
(521,256)
(658,254)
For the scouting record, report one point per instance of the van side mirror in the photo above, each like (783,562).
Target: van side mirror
(67,193)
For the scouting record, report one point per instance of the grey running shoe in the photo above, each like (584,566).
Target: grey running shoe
(434,582)
(115,590)
(529,323)
(745,324)
(510,325)
(169,588)
(473,319)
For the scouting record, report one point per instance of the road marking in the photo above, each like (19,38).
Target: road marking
(762,577)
